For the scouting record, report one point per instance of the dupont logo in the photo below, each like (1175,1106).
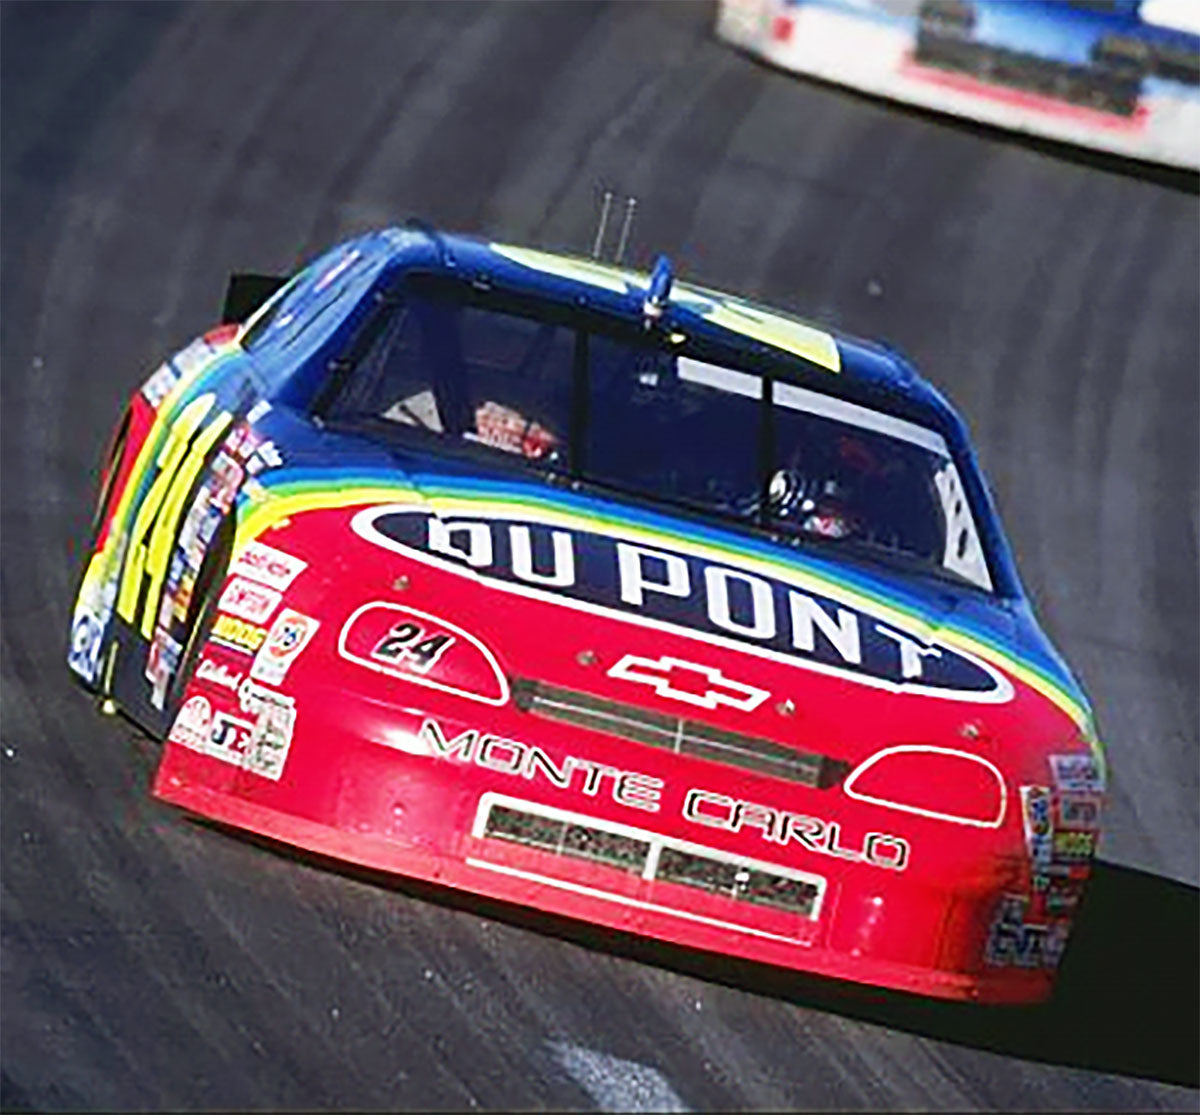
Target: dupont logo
(675,590)
(690,682)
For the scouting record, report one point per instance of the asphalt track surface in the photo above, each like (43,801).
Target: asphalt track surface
(151,962)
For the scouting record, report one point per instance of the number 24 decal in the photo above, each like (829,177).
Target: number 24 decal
(416,647)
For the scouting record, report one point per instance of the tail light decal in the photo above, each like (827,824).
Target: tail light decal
(898,784)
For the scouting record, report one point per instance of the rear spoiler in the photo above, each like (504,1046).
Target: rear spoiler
(245,293)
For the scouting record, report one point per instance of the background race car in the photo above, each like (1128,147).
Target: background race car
(1120,76)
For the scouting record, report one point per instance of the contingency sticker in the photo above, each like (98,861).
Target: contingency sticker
(289,635)
(258,740)
(1014,942)
(1039,824)
(1077,774)
(249,600)
(269,566)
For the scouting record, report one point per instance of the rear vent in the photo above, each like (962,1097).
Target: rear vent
(637,852)
(673,733)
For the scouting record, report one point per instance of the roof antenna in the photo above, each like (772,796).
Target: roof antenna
(630,206)
(657,293)
(605,206)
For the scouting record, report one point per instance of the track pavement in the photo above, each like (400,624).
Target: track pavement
(149,962)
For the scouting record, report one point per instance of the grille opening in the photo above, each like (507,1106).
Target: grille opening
(653,857)
(737,881)
(673,733)
(567,838)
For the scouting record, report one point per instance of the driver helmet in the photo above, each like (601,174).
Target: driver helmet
(822,500)
(817,505)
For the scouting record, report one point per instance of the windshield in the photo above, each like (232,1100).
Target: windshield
(626,413)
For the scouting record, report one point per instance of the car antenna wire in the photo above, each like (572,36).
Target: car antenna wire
(605,206)
(630,206)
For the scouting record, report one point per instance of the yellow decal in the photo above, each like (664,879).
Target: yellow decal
(581,270)
(778,330)
(239,633)
(166,525)
(782,332)
(162,504)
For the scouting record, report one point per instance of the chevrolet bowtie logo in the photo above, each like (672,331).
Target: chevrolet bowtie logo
(699,685)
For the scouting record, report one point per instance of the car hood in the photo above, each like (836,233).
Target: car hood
(592,595)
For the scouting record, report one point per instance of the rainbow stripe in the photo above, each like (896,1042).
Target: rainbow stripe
(289,492)
(105,565)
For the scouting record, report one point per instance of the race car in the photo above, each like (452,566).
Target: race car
(601,593)
(1121,76)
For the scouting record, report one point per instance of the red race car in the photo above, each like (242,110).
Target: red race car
(601,593)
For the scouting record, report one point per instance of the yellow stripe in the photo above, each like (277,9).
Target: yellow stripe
(779,330)
(581,270)
(172,452)
(163,538)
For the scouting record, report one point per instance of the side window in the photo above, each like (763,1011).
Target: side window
(261,321)
(481,376)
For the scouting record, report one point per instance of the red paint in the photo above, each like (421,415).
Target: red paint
(1018,98)
(358,784)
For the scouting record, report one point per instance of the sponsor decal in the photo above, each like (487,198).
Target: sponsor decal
(269,566)
(636,790)
(225,480)
(238,634)
(1061,895)
(195,357)
(666,589)
(1080,812)
(690,682)
(181,599)
(1074,847)
(161,663)
(230,739)
(274,724)
(84,655)
(1014,942)
(257,741)
(265,456)
(1077,774)
(249,600)
(217,673)
(1039,825)
(254,451)
(193,725)
(289,635)
(209,521)
(93,610)
(161,383)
